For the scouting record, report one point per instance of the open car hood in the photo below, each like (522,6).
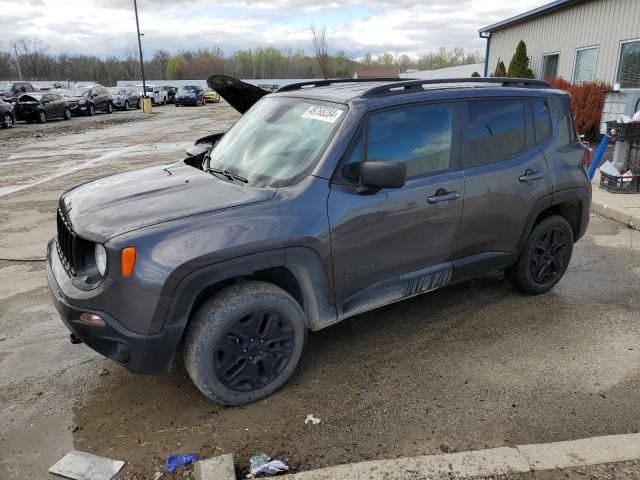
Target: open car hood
(240,95)
(27,98)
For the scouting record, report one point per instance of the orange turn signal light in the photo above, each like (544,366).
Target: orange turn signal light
(128,261)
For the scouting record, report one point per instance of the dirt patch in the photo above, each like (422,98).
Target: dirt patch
(30,131)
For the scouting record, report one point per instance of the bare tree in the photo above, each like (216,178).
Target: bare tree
(319,39)
(31,52)
(161,58)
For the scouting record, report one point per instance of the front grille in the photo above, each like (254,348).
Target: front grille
(68,246)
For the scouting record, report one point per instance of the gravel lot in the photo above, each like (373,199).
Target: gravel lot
(468,367)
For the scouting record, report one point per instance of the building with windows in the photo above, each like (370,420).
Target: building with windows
(578,40)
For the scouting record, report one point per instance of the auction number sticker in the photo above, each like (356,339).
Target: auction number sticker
(325,114)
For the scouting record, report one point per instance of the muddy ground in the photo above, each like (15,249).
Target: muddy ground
(471,366)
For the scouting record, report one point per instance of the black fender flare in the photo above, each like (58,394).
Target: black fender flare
(302,262)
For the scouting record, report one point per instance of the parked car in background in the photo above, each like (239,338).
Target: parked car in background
(155,93)
(42,106)
(125,97)
(210,96)
(11,90)
(89,100)
(7,114)
(190,95)
(171,93)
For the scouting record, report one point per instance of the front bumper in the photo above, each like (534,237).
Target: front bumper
(187,101)
(137,352)
(78,109)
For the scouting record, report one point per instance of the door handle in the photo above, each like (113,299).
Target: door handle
(530,176)
(443,196)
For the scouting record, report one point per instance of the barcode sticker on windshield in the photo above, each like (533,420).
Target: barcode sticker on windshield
(320,112)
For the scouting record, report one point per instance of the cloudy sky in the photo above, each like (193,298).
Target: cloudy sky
(104,27)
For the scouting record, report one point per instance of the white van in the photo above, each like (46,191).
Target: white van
(155,93)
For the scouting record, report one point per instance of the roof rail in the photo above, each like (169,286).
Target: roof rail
(410,86)
(324,83)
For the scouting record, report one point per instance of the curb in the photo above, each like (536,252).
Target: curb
(487,463)
(617,214)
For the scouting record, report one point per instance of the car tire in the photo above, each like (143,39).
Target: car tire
(67,114)
(544,258)
(263,322)
(42,117)
(8,121)
(139,104)
(176,104)
(109,108)
(126,105)
(91,110)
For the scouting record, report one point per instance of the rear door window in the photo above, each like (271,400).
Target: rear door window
(496,130)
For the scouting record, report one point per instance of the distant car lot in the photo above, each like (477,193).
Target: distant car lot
(59,103)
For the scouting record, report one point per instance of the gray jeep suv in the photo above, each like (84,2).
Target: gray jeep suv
(325,200)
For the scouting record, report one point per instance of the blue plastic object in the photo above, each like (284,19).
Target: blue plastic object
(598,156)
(175,461)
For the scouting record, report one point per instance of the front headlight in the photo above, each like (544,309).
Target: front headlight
(82,102)
(100,255)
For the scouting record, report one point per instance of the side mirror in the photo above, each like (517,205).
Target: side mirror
(383,174)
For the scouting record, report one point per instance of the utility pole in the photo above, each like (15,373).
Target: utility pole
(144,86)
(15,51)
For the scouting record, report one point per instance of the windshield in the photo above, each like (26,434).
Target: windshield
(278,141)
(188,89)
(117,91)
(5,86)
(78,92)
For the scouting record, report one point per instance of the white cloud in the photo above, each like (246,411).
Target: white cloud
(108,26)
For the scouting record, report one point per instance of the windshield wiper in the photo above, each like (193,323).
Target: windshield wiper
(228,174)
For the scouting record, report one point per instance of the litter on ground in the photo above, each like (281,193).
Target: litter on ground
(179,460)
(85,466)
(311,419)
(262,465)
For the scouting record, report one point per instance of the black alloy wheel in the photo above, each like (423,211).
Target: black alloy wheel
(254,350)
(549,256)
(244,342)
(544,258)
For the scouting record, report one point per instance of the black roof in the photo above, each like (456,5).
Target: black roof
(344,90)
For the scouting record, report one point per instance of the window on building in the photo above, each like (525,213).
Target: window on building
(629,65)
(420,136)
(585,67)
(496,130)
(541,120)
(550,66)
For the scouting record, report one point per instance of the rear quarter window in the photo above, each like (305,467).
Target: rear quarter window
(496,130)
(565,131)
(541,120)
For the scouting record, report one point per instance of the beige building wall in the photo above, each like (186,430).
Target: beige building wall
(601,23)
